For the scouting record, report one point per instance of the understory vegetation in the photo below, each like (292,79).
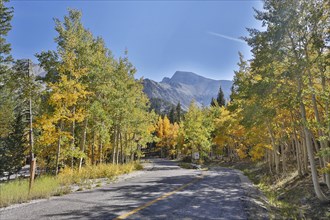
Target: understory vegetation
(289,196)
(17,191)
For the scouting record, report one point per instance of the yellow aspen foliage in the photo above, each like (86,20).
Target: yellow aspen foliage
(166,126)
(160,128)
(257,152)
(49,134)
(173,139)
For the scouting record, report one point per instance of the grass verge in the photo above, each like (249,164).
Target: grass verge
(17,191)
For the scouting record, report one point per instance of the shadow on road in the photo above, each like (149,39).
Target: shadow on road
(217,196)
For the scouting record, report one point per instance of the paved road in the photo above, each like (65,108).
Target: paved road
(163,192)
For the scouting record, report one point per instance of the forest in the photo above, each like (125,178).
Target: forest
(89,109)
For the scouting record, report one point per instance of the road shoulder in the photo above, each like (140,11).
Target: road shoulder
(102,182)
(255,203)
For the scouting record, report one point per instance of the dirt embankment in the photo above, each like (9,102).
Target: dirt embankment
(289,196)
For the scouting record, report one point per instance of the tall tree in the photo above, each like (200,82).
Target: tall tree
(178,111)
(24,92)
(6,102)
(27,91)
(286,72)
(220,101)
(6,14)
(12,149)
(171,115)
(66,94)
(297,29)
(196,131)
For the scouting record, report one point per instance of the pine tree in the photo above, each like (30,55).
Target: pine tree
(27,91)
(214,102)
(171,115)
(220,99)
(6,14)
(178,112)
(12,148)
(6,101)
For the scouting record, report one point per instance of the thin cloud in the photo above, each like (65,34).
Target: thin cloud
(226,37)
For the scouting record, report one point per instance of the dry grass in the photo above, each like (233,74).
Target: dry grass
(110,171)
(17,191)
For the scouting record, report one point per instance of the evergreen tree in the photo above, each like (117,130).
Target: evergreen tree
(27,92)
(6,14)
(6,101)
(171,115)
(232,93)
(178,112)
(214,102)
(220,99)
(12,147)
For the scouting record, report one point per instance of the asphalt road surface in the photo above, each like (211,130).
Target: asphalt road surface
(164,191)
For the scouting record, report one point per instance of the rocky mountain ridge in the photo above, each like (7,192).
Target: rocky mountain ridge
(184,87)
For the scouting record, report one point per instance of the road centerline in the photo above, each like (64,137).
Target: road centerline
(164,196)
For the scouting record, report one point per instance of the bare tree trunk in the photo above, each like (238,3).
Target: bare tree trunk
(304,148)
(58,151)
(114,145)
(101,152)
(132,152)
(73,137)
(117,145)
(101,147)
(32,173)
(121,148)
(32,159)
(318,120)
(283,156)
(93,149)
(310,152)
(295,146)
(307,134)
(138,149)
(126,147)
(275,149)
(269,158)
(315,179)
(83,144)
(321,159)
(31,141)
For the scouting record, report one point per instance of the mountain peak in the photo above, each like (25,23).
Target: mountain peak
(184,77)
(184,74)
(166,80)
(186,86)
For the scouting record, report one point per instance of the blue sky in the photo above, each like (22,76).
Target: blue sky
(161,36)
